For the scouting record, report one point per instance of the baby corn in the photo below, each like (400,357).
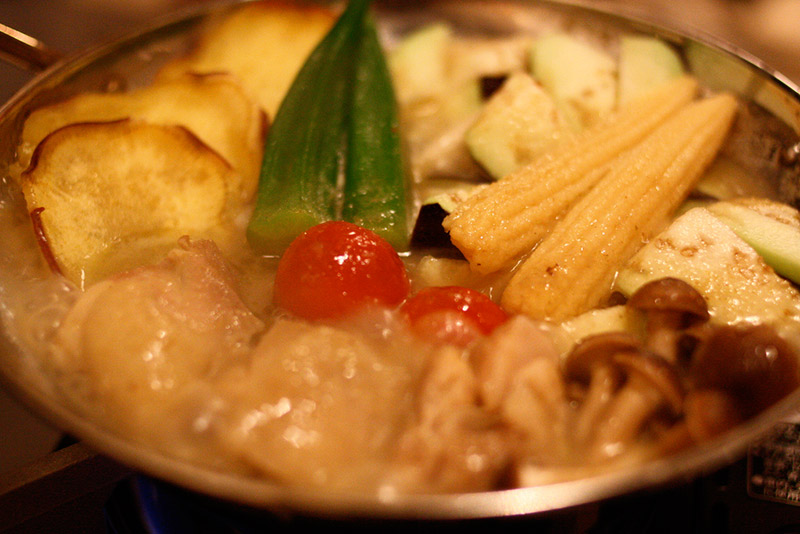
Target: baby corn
(505,220)
(573,268)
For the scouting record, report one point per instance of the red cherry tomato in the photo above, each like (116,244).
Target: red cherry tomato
(453,314)
(336,268)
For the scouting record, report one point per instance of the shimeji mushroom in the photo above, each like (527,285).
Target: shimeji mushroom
(709,412)
(670,306)
(652,386)
(591,364)
(751,363)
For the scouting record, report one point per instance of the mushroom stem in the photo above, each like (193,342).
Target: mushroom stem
(633,405)
(663,333)
(602,386)
(670,306)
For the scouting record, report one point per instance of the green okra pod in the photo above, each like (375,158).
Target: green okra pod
(375,183)
(305,149)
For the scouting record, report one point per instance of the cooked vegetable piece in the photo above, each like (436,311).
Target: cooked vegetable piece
(282,33)
(419,63)
(645,62)
(119,194)
(437,104)
(573,268)
(304,149)
(434,134)
(703,251)
(335,269)
(726,180)
(428,230)
(498,224)
(488,58)
(771,228)
(452,314)
(213,107)
(375,195)
(581,77)
(619,318)
(519,123)
(443,271)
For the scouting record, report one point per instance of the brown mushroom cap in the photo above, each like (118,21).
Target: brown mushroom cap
(752,362)
(710,412)
(595,350)
(674,296)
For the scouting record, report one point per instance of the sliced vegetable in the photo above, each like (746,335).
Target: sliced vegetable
(645,62)
(304,149)
(733,278)
(581,77)
(263,44)
(505,220)
(453,314)
(619,318)
(517,124)
(419,62)
(428,230)
(214,107)
(335,269)
(375,194)
(444,271)
(726,179)
(771,228)
(572,270)
(111,196)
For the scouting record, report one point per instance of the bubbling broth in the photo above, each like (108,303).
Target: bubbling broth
(587,285)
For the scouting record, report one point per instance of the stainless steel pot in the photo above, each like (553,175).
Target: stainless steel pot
(766,139)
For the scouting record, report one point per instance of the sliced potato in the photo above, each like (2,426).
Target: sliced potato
(213,107)
(264,44)
(112,195)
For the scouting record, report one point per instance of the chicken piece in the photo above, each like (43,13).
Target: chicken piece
(318,406)
(519,373)
(454,446)
(141,337)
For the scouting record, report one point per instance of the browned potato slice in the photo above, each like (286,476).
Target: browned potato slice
(214,107)
(264,44)
(112,195)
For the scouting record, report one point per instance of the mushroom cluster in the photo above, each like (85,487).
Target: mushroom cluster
(683,381)
(515,411)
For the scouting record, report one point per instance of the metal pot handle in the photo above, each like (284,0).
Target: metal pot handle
(24,51)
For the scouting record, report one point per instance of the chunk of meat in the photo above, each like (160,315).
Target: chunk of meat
(140,337)
(319,406)
(500,357)
(454,445)
(520,378)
